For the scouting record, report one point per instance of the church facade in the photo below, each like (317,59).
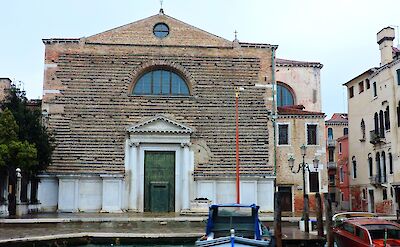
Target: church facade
(144,119)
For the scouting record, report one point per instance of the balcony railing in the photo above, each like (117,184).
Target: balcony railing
(332,165)
(375,138)
(330,143)
(376,180)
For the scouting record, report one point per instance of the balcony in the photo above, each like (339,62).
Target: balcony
(376,180)
(332,165)
(330,143)
(375,138)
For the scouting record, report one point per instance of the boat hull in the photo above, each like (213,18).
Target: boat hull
(227,241)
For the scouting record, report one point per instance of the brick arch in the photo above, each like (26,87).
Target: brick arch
(160,64)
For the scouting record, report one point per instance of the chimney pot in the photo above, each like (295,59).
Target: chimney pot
(385,39)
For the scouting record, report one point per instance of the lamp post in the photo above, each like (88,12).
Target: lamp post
(237,90)
(303,166)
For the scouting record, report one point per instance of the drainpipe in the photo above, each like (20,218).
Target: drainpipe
(274,104)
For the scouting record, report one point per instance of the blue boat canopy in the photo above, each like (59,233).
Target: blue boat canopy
(240,217)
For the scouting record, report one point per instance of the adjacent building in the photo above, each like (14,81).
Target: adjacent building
(336,131)
(299,122)
(374,120)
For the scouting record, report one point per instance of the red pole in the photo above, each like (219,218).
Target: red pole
(237,150)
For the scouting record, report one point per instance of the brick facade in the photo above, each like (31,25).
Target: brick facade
(87,95)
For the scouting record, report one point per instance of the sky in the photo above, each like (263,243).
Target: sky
(340,34)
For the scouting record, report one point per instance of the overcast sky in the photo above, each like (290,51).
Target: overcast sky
(341,34)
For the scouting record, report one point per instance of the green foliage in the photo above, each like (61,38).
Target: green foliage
(24,141)
(8,127)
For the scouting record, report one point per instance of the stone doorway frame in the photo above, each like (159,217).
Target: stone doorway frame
(158,134)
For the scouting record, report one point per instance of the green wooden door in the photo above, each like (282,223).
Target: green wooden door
(159,181)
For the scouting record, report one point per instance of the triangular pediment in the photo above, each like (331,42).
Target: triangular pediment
(160,124)
(141,33)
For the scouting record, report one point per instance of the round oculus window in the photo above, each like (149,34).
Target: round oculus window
(161,30)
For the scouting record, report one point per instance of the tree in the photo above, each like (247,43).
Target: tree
(30,129)
(14,152)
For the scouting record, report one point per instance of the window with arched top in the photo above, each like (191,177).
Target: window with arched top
(370,165)
(284,95)
(161,82)
(354,162)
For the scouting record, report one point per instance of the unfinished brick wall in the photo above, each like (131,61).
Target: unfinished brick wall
(89,83)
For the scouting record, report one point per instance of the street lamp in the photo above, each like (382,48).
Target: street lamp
(303,166)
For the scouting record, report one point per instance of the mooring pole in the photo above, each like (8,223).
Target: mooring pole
(278,219)
(319,208)
(328,220)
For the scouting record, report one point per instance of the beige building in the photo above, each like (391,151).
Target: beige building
(299,121)
(374,120)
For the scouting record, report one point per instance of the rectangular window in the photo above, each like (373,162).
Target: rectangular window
(351,92)
(314,181)
(341,175)
(354,168)
(331,155)
(332,179)
(374,88)
(390,163)
(367,83)
(384,194)
(398,76)
(311,134)
(348,228)
(361,87)
(283,134)
(340,147)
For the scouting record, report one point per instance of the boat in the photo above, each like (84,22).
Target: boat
(357,229)
(234,225)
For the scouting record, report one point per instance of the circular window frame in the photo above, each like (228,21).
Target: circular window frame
(161,32)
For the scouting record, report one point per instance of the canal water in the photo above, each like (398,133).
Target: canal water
(138,245)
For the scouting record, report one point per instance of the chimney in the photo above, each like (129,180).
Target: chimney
(385,39)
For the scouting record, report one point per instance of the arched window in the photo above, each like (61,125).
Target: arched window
(353,159)
(376,123)
(378,166)
(284,95)
(387,118)
(370,165)
(384,179)
(398,115)
(381,124)
(161,82)
(362,129)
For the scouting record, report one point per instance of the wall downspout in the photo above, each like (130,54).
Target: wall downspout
(274,104)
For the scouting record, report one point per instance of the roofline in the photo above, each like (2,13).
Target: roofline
(60,40)
(257,45)
(370,70)
(280,62)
